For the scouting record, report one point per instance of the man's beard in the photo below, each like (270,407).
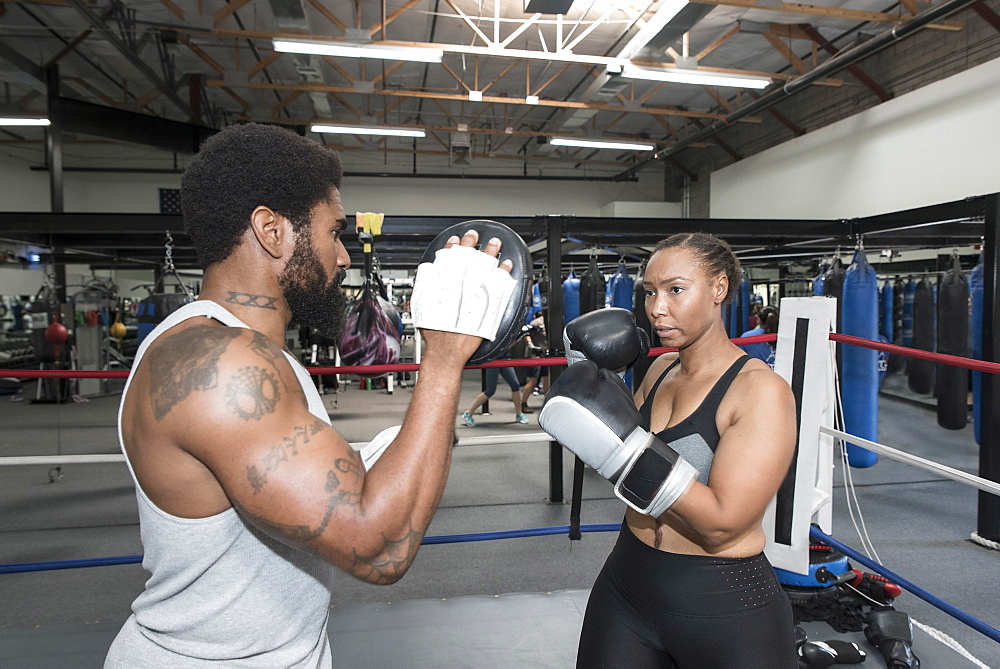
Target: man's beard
(315,301)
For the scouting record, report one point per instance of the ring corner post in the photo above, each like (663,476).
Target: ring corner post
(988,523)
(553,243)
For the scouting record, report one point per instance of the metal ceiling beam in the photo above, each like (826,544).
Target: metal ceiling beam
(99,24)
(90,119)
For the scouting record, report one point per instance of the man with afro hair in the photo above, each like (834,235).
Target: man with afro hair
(248,498)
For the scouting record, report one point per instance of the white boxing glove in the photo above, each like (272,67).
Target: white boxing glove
(463,290)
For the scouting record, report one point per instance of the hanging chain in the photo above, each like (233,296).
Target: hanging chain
(168,260)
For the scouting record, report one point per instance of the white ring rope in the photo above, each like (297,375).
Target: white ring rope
(485,440)
(983,541)
(902,456)
(943,638)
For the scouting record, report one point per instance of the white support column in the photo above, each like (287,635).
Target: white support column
(804,358)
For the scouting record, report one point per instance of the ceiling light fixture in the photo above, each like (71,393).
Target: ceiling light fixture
(531,99)
(368,130)
(347,50)
(475,96)
(601,144)
(704,78)
(15,120)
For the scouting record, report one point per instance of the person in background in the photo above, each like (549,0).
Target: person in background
(768,325)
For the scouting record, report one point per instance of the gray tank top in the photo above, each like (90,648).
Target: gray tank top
(220,591)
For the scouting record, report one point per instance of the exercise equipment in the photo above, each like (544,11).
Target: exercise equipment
(159,304)
(976,341)
(909,293)
(859,366)
(621,287)
(886,305)
(953,339)
(920,379)
(897,362)
(818,281)
(512,248)
(592,287)
(571,297)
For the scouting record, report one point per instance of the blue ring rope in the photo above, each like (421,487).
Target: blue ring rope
(814,533)
(443,539)
(955,612)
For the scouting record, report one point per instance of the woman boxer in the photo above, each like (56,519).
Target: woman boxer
(691,587)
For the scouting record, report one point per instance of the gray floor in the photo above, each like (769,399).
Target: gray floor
(919,523)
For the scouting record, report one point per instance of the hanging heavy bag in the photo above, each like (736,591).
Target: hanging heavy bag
(818,287)
(885,310)
(370,336)
(920,376)
(859,366)
(621,288)
(592,287)
(641,366)
(571,298)
(953,339)
(897,362)
(976,340)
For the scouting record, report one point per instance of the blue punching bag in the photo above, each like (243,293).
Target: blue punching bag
(818,281)
(571,298)
(886,303)
(621,287)
(536,303)
(976,340)
(744,317)
(859,368)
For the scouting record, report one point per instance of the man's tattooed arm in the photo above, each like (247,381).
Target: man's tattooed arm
(384,563)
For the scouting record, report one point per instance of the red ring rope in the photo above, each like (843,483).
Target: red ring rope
(953,360)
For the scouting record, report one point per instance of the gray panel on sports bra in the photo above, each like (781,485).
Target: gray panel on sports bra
(695,450)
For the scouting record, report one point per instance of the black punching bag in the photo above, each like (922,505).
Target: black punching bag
(592,288)
(953,339)
(921,371)
(642,365)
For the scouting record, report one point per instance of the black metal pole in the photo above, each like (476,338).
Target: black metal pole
(554,323)
(53,141)
(988,526)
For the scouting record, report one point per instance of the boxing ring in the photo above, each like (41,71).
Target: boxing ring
(542,629)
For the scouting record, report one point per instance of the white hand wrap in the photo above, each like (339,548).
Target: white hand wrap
(374,449)
(463,290)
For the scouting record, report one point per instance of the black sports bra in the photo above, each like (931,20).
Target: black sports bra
(697,436)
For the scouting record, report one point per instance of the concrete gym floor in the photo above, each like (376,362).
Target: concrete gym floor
(920,523)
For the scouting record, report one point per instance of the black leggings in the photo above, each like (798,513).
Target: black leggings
(649,608)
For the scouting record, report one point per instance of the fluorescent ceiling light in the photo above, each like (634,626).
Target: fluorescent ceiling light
(7,120)
(600,144)
(475,96)
(368,130)
(679,76)
(347,50)
(531,99)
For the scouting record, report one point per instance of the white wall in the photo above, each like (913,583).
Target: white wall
(937,144)
(482,197)
(22,189)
